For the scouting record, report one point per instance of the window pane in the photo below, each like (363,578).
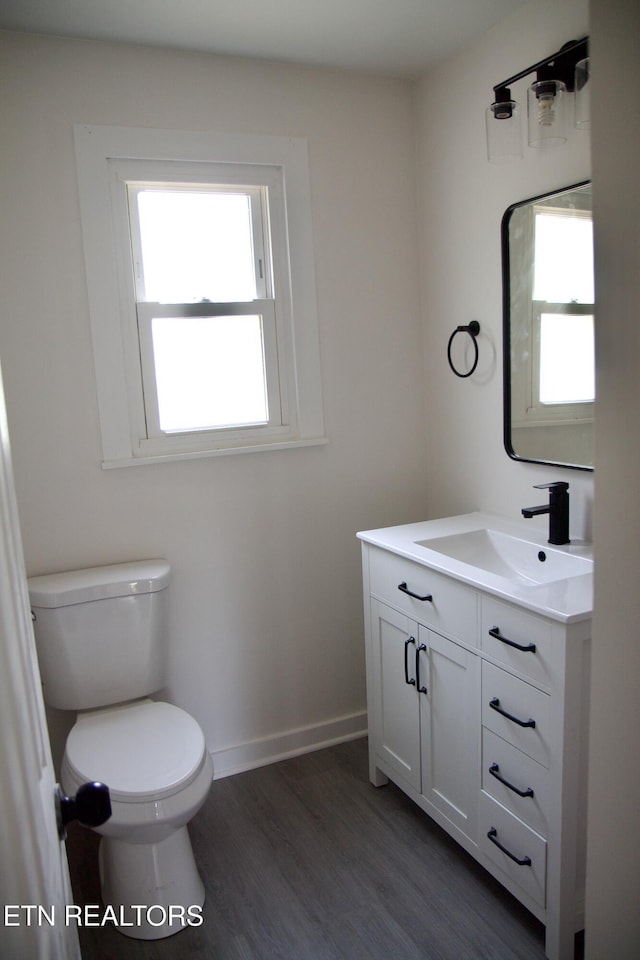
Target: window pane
(563,259)
(567,367)
(210,372)
(196,246)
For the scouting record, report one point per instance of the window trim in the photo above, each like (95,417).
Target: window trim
(111,294)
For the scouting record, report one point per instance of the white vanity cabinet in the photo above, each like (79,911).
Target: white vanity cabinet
(424,688)
(478,711)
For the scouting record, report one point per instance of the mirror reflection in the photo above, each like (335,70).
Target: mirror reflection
(549,356)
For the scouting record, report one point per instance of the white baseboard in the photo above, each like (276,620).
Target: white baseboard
(292,743)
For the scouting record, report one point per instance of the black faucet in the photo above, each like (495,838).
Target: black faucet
(557,508)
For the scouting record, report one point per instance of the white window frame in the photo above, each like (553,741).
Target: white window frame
(128,177)
(109,158)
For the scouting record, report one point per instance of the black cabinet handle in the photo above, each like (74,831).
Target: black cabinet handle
(421,688)
(521,861)
(403,586)
(494,770)
(407,679)
(495,705)
(528,648)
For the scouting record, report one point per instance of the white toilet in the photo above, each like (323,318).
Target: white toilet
(101,635)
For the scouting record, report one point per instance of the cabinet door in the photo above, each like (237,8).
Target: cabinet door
(450,711)
(394,714)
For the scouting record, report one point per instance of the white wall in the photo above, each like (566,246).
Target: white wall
(613,865)
(463,199)
(266,621)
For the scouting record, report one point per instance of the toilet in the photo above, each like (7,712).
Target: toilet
(101,640)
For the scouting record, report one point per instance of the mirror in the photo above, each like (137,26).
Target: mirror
(548,302)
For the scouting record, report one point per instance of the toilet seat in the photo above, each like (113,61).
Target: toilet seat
(146,750)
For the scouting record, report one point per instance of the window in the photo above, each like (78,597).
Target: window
(202,300)
(560,370)
(202,260)
(566,330)
(563,314)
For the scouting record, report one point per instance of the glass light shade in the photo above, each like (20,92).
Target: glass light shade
(583,95)
(546,107)
(504,133)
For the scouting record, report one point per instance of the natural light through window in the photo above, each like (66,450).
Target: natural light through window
(563,248)
(209,372)
(562,284)
(564,335)
(202,248)
(196,245)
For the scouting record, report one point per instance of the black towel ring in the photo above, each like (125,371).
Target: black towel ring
(473,329)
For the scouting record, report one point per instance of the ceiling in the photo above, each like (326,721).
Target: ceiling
(393,37)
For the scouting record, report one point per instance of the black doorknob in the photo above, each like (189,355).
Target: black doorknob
(91,806)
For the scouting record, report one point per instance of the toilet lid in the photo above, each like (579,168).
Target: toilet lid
(142,751)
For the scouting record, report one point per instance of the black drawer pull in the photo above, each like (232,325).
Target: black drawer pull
(409,640)
(495,705)
(421,687)
(494,770)
(403,586)
(528,648)
(522,862)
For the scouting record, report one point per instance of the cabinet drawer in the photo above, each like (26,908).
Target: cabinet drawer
(507,773)
(451,609)
(527,726)
(506,629)
(516,838)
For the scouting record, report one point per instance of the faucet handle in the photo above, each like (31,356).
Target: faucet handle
(558,485)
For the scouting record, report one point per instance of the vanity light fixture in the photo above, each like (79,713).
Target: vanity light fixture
(556,77)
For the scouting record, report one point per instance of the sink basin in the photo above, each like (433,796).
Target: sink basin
(511,557)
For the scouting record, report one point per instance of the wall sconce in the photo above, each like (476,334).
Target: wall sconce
(563,73)
(504,135)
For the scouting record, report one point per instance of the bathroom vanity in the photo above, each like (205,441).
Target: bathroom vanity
(477,650)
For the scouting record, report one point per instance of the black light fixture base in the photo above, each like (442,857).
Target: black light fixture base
(558,66)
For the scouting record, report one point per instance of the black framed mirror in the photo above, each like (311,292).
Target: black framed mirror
(548,328)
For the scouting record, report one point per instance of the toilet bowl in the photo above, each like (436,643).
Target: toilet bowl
(100,640)
(153,757)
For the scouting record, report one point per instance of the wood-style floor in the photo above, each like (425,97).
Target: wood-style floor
(306,860)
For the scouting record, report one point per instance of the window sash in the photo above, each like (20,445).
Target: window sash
(276,398)
(258,202)
(556,412)
(558,250)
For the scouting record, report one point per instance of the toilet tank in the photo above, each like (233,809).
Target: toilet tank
(101,633)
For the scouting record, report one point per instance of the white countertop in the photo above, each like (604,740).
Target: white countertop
(567,601)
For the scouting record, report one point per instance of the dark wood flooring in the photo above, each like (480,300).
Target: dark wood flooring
(306,860)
